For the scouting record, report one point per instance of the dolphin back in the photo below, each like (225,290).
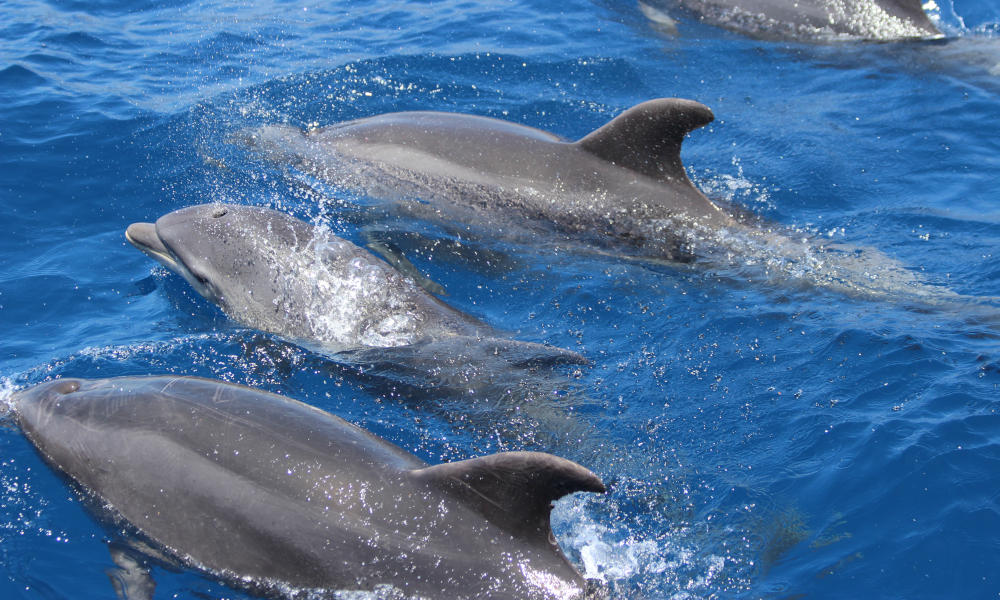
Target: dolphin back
(647,137)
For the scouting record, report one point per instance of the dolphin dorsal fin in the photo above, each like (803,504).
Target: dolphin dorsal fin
(912,11)
(513,490)
(647,137)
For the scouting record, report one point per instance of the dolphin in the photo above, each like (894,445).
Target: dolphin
(621,189)
(270,271)
(819,20)
(274,495)
(622,185)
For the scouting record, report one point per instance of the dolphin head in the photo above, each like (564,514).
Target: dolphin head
(37,408)
(186,242)
(218,249)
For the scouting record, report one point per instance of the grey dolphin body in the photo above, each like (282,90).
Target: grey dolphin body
(268,492)
(622,185)
(816,19)
(273,272)
(622,188)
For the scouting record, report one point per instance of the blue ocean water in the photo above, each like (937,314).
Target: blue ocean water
(760,438)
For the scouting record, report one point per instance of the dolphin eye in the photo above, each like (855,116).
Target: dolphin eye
(219,212)
(201,279)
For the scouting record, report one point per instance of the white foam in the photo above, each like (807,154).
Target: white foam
(327,293)
(807,254)
(7,390)
(735,188)
(610,553)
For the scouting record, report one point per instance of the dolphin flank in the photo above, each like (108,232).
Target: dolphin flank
(268,492)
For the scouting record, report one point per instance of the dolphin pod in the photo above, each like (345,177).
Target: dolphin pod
(282,498)
(821,20)
(268,492)
(270,271)
(622,185)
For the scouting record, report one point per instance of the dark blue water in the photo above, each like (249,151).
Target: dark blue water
(760,438)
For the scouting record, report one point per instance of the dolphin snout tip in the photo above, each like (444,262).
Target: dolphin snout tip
(131,230)
(144,237)
(137,232)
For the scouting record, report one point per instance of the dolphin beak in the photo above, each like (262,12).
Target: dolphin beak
(143,236)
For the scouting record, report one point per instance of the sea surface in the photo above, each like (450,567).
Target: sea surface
(762,435)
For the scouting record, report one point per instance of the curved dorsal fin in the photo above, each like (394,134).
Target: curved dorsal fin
(513,490)
(647,137)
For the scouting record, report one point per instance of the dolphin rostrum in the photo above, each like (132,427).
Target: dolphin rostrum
(273,272)
(269,493)
(820,20)
(622,185)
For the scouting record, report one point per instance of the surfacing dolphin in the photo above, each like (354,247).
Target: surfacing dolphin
(622,189)
(274,495)
(813,20)
(623,185)
(270,271)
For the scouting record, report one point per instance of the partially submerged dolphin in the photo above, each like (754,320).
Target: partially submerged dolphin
(273,272)
(622,185)
(267,492)
(622,188)
(820,20)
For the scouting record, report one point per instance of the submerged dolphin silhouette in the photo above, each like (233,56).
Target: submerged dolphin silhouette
(822,20)
(623,184)
(273,272)
(267,492)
